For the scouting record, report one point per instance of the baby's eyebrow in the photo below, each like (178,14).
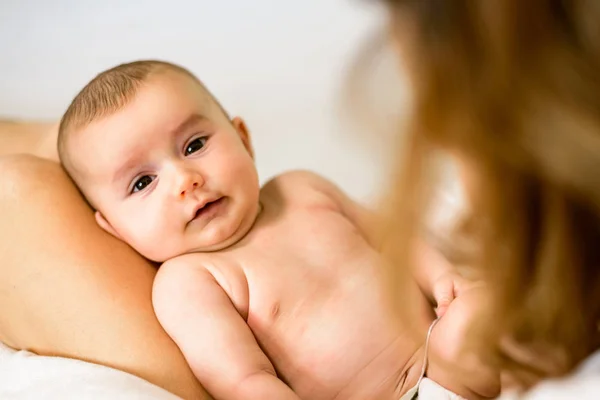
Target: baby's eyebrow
(186,124)
(124,169)
(190,121)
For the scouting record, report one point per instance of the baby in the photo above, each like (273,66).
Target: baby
(270,293)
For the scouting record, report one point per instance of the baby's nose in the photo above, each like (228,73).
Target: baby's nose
(188,184)
(189,189)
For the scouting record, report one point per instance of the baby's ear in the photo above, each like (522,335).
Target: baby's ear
(242,130)
(104,224)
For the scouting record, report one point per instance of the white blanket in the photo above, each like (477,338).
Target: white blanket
(24,375)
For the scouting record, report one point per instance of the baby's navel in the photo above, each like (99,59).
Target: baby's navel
(275,309)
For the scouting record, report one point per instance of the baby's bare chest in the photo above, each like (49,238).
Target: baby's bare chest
(315,298)
(311,254)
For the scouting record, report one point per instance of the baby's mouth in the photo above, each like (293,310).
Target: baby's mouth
(208,209)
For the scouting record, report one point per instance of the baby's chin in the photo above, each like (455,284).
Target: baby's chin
(224,234)
(222,239)
(208,241)
(201,246)
(217,236)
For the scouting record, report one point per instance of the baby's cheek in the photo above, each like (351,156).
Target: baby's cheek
(237,165)
(243,175)
(145,232)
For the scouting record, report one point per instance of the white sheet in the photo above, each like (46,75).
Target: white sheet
(25,376)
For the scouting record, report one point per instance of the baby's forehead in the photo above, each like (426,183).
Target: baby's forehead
(133,131)
(90,160)
(179,80)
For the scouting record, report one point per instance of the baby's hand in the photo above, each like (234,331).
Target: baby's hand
(454,362)
(447,287)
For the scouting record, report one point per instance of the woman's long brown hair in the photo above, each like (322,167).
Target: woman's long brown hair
(511,88)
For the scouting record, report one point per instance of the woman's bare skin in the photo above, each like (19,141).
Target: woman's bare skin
(70,289)
(36,138)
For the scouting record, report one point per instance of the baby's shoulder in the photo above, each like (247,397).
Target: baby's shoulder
(299,186)
(192,261)
(195,269)
(296,178)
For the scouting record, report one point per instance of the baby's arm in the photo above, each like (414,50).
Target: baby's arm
(214,338)
(436,276)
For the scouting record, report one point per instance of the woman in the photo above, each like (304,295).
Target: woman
(511,91)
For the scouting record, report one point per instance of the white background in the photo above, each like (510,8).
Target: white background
(281,64)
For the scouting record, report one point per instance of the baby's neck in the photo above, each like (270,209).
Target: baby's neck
(239,240)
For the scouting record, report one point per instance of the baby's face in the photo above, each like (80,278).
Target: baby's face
(169,173)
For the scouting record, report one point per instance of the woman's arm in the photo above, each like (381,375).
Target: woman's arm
(68,289)
(36,138)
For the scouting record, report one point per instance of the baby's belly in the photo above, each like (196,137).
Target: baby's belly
(342,344)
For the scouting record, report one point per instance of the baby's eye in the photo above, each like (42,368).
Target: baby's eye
(195,145)
(142,183)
